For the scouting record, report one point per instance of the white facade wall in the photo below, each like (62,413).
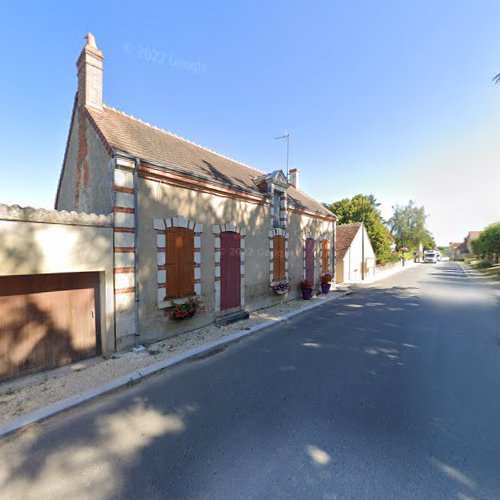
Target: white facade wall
(353,258)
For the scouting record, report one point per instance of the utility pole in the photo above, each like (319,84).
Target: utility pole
(287,138)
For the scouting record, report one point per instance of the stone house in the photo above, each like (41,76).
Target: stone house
(353,246)
(188,222)
(458,251)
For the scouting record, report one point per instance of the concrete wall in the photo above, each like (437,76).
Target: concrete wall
(162,201)
(35,241)
(87,175)
(353,258)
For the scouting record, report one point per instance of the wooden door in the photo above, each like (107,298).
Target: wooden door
(230,270)
(339,271)
(46,320)
(310,260)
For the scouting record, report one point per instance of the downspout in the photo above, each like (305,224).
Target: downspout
(136,254)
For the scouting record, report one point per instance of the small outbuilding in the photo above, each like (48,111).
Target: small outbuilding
(354,250)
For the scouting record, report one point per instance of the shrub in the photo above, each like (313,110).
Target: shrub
(483,264)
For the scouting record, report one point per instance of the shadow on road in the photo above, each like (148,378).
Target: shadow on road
(399,383)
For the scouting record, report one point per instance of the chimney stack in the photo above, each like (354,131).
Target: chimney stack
(294,177)
(89,66)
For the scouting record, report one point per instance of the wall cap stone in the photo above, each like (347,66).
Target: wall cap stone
(30,214)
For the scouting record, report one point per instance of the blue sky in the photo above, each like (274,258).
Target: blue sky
(392,98)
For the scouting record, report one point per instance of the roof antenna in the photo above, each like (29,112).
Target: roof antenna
(287,138)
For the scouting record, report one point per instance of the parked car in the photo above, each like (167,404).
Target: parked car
(430,256)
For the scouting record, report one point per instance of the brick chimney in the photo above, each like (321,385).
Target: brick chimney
(89,66)
(294,177)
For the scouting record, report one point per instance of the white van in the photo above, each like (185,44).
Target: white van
(430,256)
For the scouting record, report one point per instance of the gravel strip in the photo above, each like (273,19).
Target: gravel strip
(30,393)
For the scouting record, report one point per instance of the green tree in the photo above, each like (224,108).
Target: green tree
(351,210)
(488,243)
(408,227)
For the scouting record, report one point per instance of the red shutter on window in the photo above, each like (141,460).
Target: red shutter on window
(324,256)
(180,262)
(186,273)
(171,263)
(279,258)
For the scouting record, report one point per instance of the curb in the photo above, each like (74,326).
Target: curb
(55,408)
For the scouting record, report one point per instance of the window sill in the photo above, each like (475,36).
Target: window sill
(165,304)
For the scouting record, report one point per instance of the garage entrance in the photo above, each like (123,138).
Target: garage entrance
(47,320)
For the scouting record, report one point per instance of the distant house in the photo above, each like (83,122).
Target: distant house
(352,242)
(458,251)
(188,223)
(453,248)
(471,236)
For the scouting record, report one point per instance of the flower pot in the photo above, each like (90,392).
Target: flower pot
(280,292)
(325,287)
(307,293)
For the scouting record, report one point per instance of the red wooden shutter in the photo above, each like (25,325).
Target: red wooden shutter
(186,258)
(279,258)
(324,256)
(180,262)
(171,263)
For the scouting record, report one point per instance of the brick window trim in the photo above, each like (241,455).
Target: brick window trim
(160,227)
(283,213)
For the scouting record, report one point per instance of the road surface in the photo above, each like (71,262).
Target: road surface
(391,392)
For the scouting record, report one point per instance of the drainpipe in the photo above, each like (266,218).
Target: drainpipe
(136,255)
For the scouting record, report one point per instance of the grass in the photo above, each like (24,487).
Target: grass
(488,270)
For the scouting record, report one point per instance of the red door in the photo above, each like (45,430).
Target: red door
(310,260)
(230,270)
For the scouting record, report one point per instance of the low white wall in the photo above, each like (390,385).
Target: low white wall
(37,241)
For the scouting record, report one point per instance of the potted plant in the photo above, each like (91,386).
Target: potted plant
(280,287)
(307,289)
(326,282)
(184,310)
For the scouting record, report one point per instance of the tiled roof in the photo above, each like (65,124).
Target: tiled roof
(130,135)
(473,235)
(345,235)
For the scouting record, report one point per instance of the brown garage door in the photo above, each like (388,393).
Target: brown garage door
(46,320)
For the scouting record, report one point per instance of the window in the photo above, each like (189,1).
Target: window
(324,256)
(180,262)
(277,204)
(279,258)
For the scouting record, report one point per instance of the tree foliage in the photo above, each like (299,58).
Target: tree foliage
(407,225)
(351,210)
(488,243)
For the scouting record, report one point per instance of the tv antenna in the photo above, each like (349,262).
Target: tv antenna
(287,138)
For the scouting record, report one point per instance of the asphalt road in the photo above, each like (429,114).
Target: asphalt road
(391,392)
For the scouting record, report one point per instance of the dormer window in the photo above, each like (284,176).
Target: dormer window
(277,204)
